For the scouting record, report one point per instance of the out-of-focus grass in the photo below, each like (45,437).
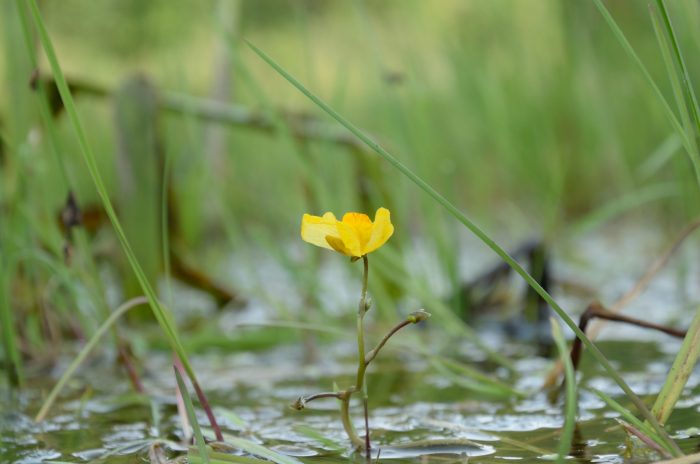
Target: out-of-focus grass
(492,101)
(476,231)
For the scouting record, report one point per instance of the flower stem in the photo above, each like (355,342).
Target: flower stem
(412,318)
(361,311)
(361,368)
(344,396)
(363,361)
(361,364)
(347,423)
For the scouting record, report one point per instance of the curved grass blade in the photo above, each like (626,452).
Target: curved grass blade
(687,83)
(688,355)
(393,270)
(106,325)
(687,142)
(678,85)
(198,437)
(161,314)
(457,214)
(567,433)
(620,36)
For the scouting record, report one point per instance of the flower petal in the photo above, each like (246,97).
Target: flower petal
(362,225)
(351,239)
(338,245)
(382,229)
(315,229)
(357,220)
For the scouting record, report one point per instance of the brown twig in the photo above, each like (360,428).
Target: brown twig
(650,273)
(125,357)
(202,400)
(596,311)
(644,438)
(639,287)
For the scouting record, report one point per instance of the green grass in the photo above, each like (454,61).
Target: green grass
(164,318)
(687,105)
(540,118)
(571,402)
(485,238)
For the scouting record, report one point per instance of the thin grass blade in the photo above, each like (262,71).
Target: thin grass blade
(687,83)
(689,353)
(631,418)
(457,214)
(106,325)
(160,313)
(13,360)
(620,36)
(567,433)
(198,437)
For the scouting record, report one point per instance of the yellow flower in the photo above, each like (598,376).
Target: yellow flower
(355,236)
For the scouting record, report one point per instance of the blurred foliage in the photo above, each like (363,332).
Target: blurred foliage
(527,114)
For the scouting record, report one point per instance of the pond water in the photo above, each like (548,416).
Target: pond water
(418,411)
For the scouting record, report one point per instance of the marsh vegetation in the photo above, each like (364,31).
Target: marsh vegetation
(530,163)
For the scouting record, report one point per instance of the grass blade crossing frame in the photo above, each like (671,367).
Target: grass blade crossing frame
(160,313)
(457,214)
(688,131)
(686,101)
(571,404)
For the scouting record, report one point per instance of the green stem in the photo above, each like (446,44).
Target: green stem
(681,369)
(488,241)
(347,423)
(361,311)
(570,408)
(412,318)
(361,368)
(688,107)
(361,363)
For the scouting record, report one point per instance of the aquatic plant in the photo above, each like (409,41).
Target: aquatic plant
(484,237)
(356,235)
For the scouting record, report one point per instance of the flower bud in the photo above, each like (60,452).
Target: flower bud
(417,316)
(298,404)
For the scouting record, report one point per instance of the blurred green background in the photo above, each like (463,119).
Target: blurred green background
(528,115)
(529,106)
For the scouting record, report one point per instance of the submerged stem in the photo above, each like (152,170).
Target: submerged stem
(347,423)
